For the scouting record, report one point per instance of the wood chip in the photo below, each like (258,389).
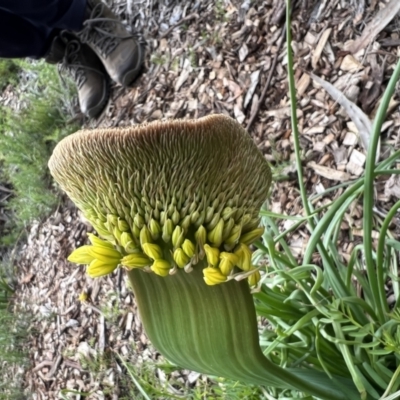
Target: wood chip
(320,46)
(329,173)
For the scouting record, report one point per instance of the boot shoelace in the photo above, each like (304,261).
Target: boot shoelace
(73,65)
(98,32)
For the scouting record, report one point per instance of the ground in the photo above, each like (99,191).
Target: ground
(210,57)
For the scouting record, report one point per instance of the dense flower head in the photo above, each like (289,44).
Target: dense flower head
(169,194)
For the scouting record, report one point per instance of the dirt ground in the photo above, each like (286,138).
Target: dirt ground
(208,57)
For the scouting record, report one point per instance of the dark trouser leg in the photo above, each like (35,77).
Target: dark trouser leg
(60,14)
(19,38)
(28,27)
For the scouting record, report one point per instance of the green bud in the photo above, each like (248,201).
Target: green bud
(163,217)
(186,223)
(251,225)
(139,221)
(215,235)
(155,229)
(117,234)
(145,236)
(128,243)
(192,207)
(112,219)
(175,217)
(136,231)
(214,221)
(228,226)
(194,217)
(168,228)
(250,237)
(123,226)
(180,258)
(234,235)
(209,214)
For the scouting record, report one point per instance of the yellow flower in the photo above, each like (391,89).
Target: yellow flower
(137,260)
(101,257)
(227,262)
(99,268)
(213,276)
(212,254)
(161,267)
(181,258)
(83,297)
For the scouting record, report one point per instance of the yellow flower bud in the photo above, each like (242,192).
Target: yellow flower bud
(254,278)
(137,260)
(189,248)
(145,236)
(168,228)
(213,276)
(81,256)
(161,267)
(215,235)
(212,254)
(152,250)
(155,229)
(99,268)
(250,237)
(96,241)
(227,262)
(180,258)
(244,257)
(104,254)
(123,225)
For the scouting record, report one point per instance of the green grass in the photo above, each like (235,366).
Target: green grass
(27,138)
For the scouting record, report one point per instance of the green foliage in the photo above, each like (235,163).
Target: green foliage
(144,384)
(334,316)
(27,138)
(8,72)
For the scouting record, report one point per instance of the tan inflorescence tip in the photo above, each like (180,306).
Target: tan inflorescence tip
(168,194)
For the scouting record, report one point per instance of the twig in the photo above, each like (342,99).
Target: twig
(187,18)
(266,87)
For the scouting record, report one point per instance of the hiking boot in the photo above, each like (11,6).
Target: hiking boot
(85,68)
(120,51)
(57,51)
